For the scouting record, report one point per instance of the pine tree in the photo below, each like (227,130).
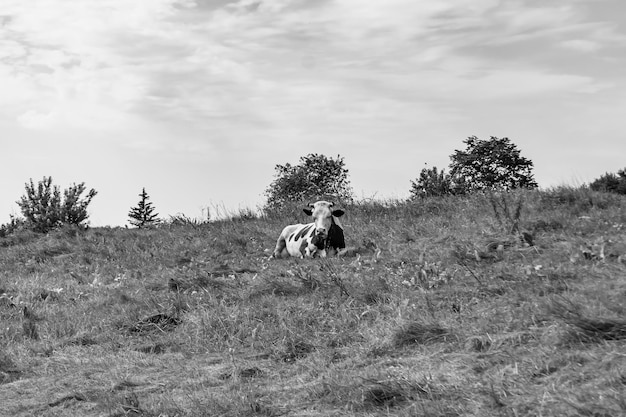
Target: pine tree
(143,215)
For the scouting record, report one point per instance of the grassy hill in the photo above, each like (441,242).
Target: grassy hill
(438,310)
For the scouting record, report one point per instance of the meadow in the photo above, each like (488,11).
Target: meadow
(484,305)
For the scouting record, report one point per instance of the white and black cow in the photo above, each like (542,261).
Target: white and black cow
(323,236)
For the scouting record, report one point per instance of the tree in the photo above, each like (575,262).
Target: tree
(431,182)
(73,209)
(490,164)
(316,176)
(44,208)
(143,215)
(611,183)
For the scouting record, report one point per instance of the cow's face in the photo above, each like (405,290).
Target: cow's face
(322,213)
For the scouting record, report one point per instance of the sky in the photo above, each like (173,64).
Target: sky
(199,100)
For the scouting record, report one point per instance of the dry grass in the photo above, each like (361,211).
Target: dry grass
(437,309)
(420,333)
(587,328)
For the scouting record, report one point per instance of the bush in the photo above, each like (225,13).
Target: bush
(44,209)
(491,164)
(431,183)
(315,177)
(611,183)
(494,164)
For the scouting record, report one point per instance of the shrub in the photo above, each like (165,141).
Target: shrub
(315,177)
(44,209)
(73,208)
(611,183)
(490,164)
(431,183)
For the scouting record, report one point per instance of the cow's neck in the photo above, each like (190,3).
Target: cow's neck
(336,221)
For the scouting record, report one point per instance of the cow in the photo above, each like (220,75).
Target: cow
(321,237)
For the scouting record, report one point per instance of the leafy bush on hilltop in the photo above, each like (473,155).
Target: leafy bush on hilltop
(493,164)
(611,183)
(44,208)
(315,177)
(430,183)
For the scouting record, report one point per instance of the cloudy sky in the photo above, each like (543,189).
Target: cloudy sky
(198,100)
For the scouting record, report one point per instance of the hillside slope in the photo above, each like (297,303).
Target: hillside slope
(437,310)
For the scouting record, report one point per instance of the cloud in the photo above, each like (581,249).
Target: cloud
(582,45)
(62,53)
(224,67)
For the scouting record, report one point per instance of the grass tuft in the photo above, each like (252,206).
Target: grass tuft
(420,334)
(9,371)
(277,287)
(158,322)
(588,328)
(390,393)
(292,350)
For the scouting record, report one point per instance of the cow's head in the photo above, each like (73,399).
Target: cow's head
(322,214)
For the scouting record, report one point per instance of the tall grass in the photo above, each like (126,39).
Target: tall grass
(437,310)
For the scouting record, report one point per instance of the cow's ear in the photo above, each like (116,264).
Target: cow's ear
(338,213)
(308,211)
